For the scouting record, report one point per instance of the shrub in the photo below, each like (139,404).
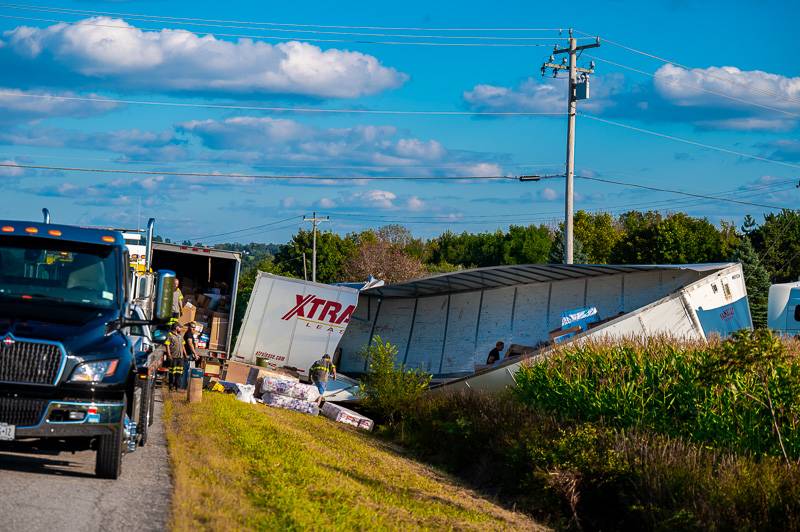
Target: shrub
(388,389)
(590,476)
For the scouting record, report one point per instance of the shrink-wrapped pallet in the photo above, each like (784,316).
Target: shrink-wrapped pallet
(294,389)
(290,403)
(341,414)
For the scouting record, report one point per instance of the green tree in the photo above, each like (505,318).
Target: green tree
(557,250)
(777,242)
(650,238)
(598,234)
(756,278)
(527,244)
(332,253)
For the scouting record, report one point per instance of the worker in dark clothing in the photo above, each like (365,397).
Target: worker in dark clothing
(319,372)
(191,358)
(175,356)
(494,354)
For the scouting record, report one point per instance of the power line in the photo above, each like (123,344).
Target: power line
(680,192)
(197,238)
(691,142)
(277,109)
(67,10)
(703,89)
(189,22)
(247,176)
(278,38)
(669,61)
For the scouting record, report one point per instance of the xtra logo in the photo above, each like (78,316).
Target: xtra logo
(311,307)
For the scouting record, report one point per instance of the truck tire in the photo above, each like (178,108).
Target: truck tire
(145,412)
(108,462)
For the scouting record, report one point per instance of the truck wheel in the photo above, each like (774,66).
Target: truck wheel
(108,462)
(152,402)
(145,413)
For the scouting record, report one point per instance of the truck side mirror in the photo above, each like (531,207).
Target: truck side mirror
(165,289)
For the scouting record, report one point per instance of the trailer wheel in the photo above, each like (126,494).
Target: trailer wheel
(108,462)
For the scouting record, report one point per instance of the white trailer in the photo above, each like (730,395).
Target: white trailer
(783,311)
(292,323)
(446,324)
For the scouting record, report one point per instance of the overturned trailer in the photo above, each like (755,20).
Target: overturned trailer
(446,324)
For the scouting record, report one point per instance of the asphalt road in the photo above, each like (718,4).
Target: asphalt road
(60,493)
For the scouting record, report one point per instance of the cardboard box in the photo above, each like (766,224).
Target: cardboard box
(212,367)
(341,414)
(188,313)
(237,372)
(203,300)
(247,374)
(218,334)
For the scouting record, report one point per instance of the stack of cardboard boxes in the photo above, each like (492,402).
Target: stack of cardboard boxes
(211,312)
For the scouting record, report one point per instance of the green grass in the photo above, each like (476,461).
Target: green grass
(241,466)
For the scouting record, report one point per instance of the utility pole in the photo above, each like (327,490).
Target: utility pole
(305,270)
(577,90)
(314,221)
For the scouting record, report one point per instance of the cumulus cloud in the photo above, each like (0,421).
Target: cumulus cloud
(129,144)
(365,150)
(111,52)
(757,101)
(18,105)
(746,91)
(547,95)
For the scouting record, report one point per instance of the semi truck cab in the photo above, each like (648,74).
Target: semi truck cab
(68,361)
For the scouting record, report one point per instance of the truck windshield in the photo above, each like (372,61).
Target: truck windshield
(55,271)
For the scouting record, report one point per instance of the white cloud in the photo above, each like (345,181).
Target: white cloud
(415,204)
(358,150)
(541,96)
(16,104)
(326,203)
(111,50)
(747,89)
(379,199)
(548,194)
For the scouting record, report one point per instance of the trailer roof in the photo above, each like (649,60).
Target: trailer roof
(500,276)
(198,250)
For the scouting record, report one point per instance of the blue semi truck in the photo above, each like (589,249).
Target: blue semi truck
(73,373)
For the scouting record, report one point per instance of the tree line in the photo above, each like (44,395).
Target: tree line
(769,251)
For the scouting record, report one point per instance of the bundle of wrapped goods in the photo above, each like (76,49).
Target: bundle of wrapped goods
(290,388)
(341,414)
(290,403)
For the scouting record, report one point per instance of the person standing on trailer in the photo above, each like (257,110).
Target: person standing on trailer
(177,301)
(319,373)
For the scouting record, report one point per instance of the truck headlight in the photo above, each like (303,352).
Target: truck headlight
(94,371)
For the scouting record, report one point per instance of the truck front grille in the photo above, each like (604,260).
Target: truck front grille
(27,362)
(22,412)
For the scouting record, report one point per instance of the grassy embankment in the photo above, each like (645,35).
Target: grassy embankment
(635,436)
(240,466)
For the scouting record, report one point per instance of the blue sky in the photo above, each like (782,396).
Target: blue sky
(741,93)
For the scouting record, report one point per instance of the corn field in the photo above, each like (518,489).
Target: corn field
(740,394)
